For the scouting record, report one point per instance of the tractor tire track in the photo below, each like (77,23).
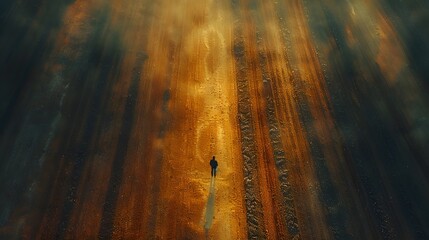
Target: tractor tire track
(254,214)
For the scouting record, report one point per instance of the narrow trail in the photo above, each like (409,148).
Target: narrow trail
(204,118)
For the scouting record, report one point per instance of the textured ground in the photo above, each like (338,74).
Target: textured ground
(317,111)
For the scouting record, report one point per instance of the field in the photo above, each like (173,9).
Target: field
(316,111)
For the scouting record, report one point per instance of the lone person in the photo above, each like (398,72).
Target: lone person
(213,164)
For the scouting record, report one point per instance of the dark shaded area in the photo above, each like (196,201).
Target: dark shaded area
(387,164)
(411,19)
(111,198)
(210,207)
(27,32)
(66,106)
(105,59)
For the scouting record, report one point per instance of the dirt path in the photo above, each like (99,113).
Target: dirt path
(201,124)
(192,108)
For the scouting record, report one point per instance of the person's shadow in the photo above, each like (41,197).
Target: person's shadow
(208,219)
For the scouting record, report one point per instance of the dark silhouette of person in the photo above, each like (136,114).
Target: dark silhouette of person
(213,164)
